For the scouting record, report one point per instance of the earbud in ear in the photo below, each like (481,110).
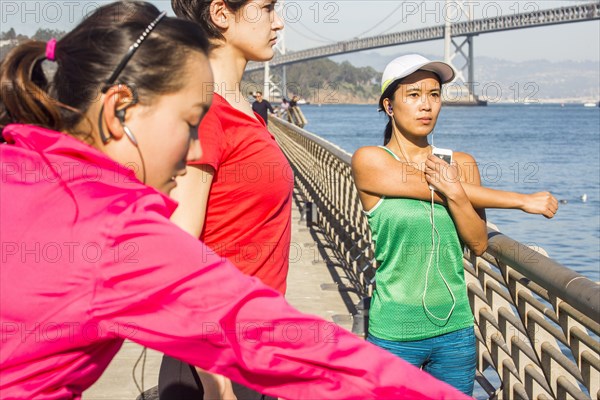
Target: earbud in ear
(390,110)
(120,114)
(133,100)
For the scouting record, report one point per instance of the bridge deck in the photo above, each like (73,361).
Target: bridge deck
(312,280)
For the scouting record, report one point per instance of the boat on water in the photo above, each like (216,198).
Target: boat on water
(466,102)
(591,104)
(460,98)
(528,102)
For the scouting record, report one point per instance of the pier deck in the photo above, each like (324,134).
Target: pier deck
(312,282)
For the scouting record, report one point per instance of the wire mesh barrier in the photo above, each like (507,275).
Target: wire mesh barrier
(537,322)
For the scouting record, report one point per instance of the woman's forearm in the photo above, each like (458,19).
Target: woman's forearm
(483,197)
(543,203)
(192,195)
(470,223)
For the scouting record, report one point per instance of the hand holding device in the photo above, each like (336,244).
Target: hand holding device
(444,154)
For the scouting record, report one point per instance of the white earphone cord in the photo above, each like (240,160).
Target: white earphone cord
(434,232)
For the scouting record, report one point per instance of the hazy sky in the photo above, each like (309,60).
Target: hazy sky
(312,23)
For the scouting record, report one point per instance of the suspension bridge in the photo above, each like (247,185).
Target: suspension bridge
(456,34)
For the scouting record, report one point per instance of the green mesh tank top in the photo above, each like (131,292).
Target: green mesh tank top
(402,232)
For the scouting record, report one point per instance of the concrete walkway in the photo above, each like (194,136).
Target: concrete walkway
(313,282)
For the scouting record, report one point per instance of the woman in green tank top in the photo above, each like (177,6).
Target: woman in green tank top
(420,310)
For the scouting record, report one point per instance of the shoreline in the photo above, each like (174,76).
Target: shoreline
(557,102)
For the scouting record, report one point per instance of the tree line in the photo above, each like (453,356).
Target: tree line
(324,81)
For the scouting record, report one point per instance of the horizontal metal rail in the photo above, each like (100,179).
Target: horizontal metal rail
(537,322)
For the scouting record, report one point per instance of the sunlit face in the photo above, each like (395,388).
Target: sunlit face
(417,103)
(167,129)
(253,31)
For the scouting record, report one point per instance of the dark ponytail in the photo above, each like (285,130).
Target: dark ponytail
(389,93)
(86,57)
(24,93)
(389,129)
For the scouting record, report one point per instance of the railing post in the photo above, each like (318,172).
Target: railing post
(360,320)
(309,213)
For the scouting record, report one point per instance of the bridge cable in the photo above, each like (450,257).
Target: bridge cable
(316,34)
(328,41)
(380,22)
(386,31)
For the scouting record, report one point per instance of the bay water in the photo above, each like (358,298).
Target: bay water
(518,147)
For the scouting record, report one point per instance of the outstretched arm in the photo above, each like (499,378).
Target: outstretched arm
(377,174)
(543,203)
(182,299)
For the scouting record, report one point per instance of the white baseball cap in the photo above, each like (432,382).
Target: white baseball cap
(403,66)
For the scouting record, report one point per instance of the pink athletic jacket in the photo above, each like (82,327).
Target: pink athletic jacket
(89,258)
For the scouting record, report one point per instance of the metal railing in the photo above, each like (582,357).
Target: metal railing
(537,322)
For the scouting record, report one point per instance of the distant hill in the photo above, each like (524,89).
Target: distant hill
(324,81)
(504,80)
(355,77)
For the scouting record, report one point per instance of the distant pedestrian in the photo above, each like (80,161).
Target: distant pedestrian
(294,101)
(261,107)
(284,107)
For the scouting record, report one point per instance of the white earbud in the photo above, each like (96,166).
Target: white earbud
(121,117)
(130,135)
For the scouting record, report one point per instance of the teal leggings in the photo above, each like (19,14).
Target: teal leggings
(451,358)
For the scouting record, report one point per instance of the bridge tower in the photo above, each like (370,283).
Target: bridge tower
(270,89)
(454,53)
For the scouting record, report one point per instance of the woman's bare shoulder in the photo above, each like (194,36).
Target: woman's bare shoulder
(463,158)
(367,155)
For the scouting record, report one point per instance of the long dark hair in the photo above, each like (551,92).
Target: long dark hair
(390,93)
(199,12)
(85,59)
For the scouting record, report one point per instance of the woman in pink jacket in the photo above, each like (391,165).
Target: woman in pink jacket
(89,256)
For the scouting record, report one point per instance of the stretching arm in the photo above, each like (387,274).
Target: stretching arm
(543,203)
(377,174)
(192,305)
